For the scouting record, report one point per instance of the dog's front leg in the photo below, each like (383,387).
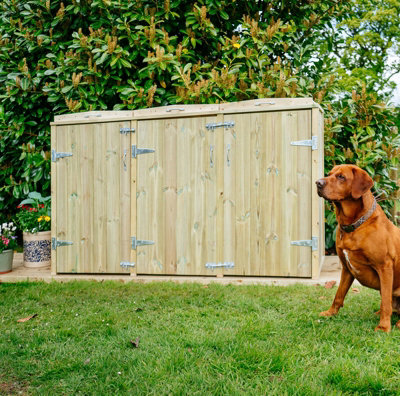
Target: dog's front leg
(346,280)
(386,283)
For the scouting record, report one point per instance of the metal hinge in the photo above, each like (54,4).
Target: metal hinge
(313,243)
(55,244)
(126,131)
(313,143)
(226,264)
(136,151)
(140,242)
(226,125)
(55,156)
(126,264)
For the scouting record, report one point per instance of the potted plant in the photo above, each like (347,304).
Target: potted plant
(34,220)
(7,245)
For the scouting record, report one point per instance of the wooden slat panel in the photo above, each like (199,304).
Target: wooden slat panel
(170,193)
(267,105)
(197,222)
(61,170)
(271,194)
(124,171)
(299,191)
(257,169)
(70,201)
(198,179)
(53,201)
(73,197)
(243,130)
(100,201)
(150,216)
(210,203)
(230,147)
(133,270)
(177,196)
(185,165)
(318,211)
(94,200)
(112,199)
(219,196)
(84,197)
(273,203)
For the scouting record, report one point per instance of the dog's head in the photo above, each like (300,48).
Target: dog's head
(344,182)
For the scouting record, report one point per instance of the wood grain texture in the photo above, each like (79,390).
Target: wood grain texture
(317,203)
(93,198)
(221,195)
(133,203)
(53,201)
(268,187)
(177,196)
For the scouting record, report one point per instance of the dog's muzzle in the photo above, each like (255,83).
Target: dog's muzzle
(320,186)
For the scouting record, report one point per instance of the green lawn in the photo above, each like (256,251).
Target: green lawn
(194,339)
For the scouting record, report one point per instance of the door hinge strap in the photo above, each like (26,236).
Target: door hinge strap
(226,264)
(226,125)
(140,242)
(313,243)
(55,156)
(55,243)
(136,151)
(126,131)
(313,143)
(126,264)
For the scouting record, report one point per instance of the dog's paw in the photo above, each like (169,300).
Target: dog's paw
(329,312)
(382,327)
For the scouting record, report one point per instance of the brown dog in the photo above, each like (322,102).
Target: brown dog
(367,243)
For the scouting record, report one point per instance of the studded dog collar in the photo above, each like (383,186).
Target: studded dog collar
(360,221)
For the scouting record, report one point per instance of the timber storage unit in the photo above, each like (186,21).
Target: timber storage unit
(224,189)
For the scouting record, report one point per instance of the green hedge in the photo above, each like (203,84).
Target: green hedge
(84,55)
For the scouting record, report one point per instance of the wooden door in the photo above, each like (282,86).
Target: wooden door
(92,198)
(179,206)
(267,194)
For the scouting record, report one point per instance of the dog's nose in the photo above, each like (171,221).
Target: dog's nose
(320,183)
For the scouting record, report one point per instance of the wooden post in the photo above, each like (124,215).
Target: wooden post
(133,232)
(318,215)
(53,202)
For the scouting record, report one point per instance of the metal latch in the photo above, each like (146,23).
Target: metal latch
(313,243)
(55,243)
(313,143)
(126,131)
(55,156)
(226,125)
(140,242)
(226,264)
(126,264)
(136,151)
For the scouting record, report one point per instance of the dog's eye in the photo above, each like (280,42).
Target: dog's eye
(341,177)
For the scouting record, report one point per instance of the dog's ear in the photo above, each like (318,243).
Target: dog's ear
(362,182)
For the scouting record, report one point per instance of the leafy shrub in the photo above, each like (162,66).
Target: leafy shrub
(120,54)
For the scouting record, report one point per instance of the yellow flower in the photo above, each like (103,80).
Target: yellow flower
(40,219)
(47,218)
(236,45)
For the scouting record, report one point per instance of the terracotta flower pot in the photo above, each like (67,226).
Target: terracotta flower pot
(37,249)
(6,260)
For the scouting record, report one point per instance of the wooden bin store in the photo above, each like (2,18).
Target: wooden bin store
(225,189)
